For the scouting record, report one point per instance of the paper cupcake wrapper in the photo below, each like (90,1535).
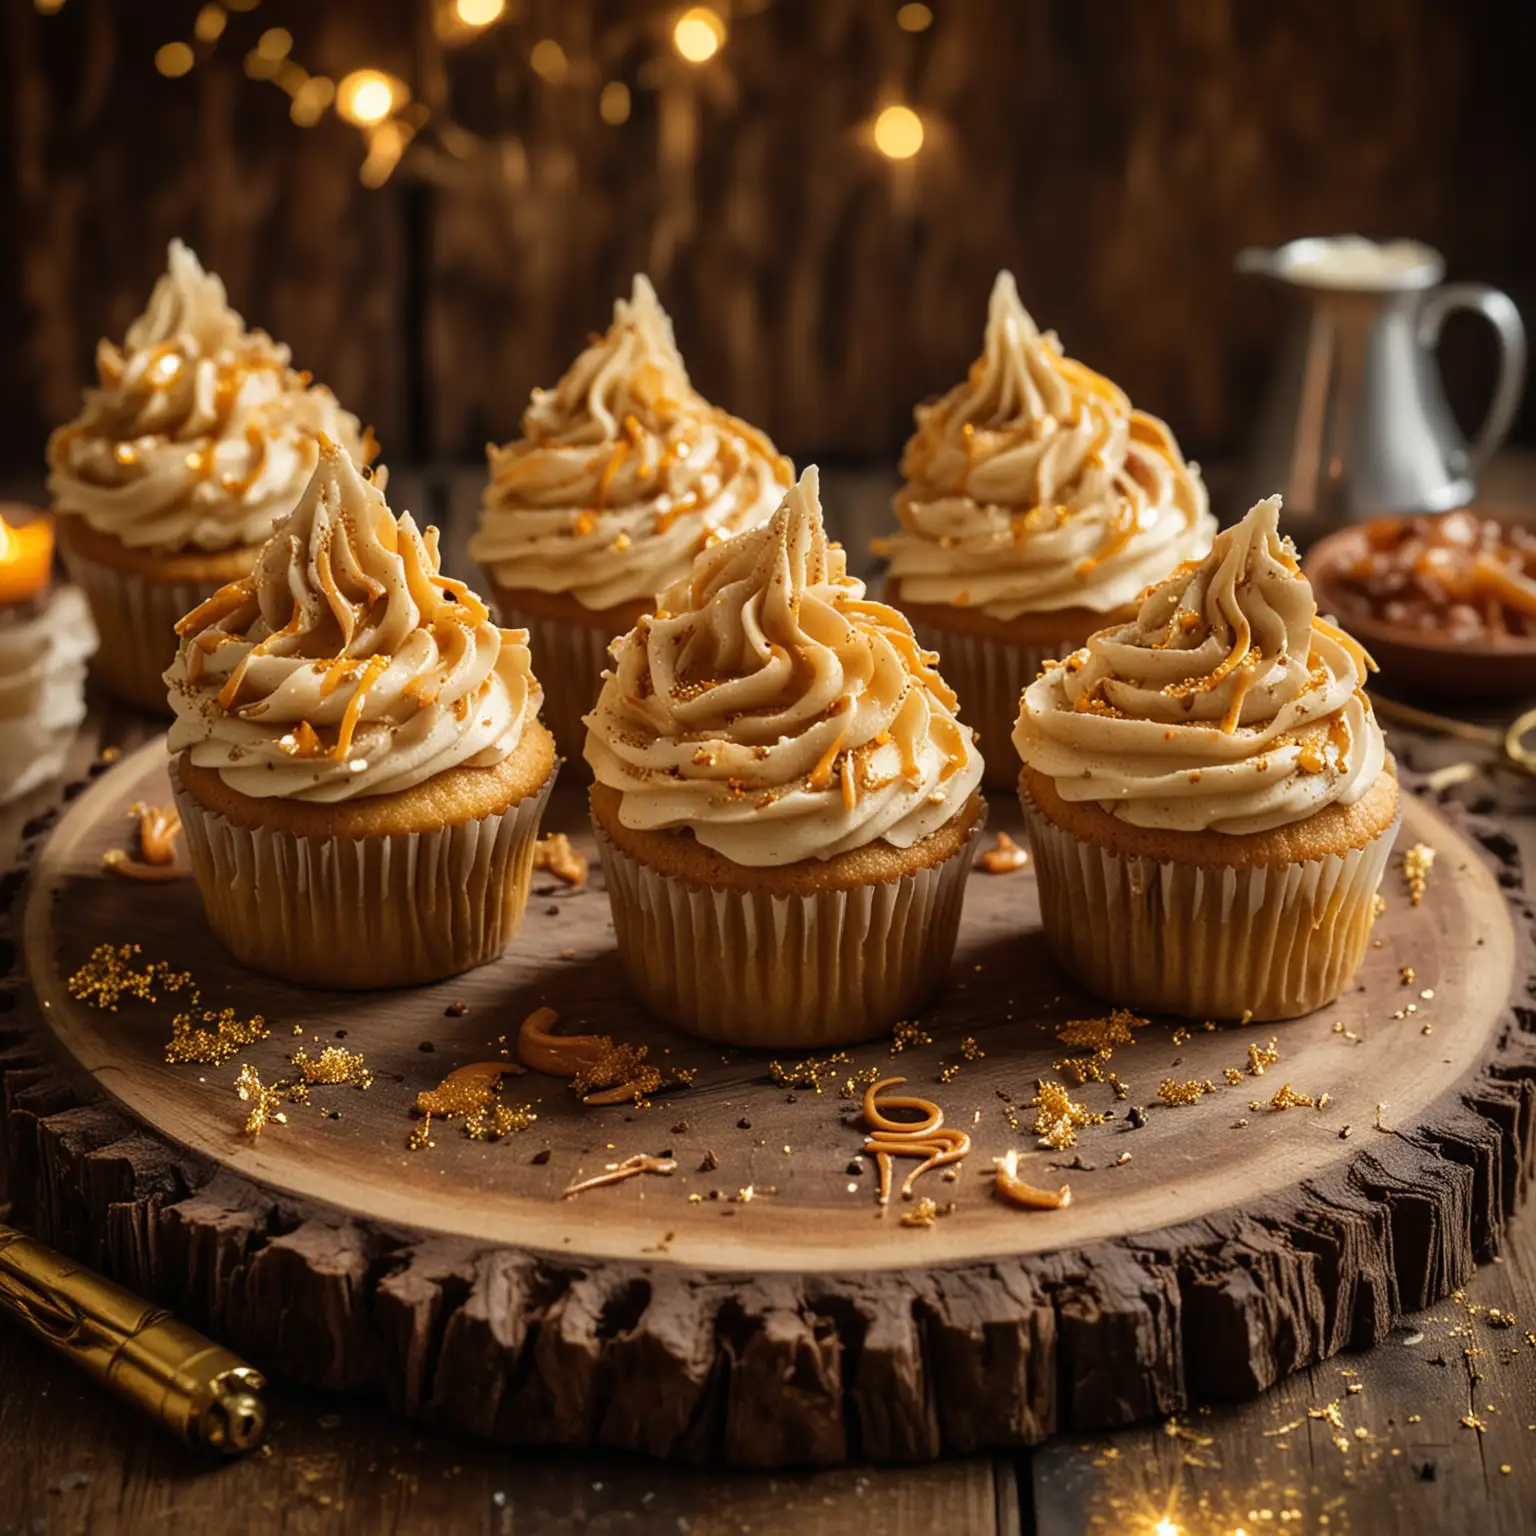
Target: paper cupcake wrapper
(43,703)
(568,660)
(989,676)
(364,912)
(1206,941)
(752,968)
(136,617)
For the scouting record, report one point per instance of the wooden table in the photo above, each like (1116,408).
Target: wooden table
(1433,1431)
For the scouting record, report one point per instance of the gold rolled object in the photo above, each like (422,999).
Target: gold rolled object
(207,1397)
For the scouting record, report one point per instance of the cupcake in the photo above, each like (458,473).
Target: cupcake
(358,759)
(1209,797)
(1037,507)
(784,801)
(622,475)
(198,438)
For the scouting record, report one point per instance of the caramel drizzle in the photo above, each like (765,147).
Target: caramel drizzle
(465,1089)
(1241,683)
(159,828)
(1013,1189)
(376,668)
(927,1138)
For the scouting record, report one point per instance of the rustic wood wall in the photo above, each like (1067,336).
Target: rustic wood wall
(1115,155)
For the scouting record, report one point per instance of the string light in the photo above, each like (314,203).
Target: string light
(173,60)
(210,23)
(311,99)
(549,61)
(48,7)
(914,18)
(368,96)
(613,103)
(1165,1527)
(899,136)
(479,13)
(275,43)
(699,34)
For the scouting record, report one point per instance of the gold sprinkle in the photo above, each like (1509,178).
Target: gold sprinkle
(1181,1035)
(208,1039)
(1171,1092)
(810,1073)
(1232,1075)
(1102,1034)
(906,1035)
(110,974)
(924,1214)
(1417,863)
(1406,972)
(1260,1057)
(970,1050)
(1058,1118)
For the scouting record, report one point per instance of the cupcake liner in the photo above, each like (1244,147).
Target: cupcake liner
(568,660)
(364,912)
(988,677)
(136,617)
(43,703)
(752,968)
(1206,941)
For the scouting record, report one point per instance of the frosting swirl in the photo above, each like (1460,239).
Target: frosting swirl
(1226,704)
(1034,485)
(346,664)
(199,435)
(623,472)
(775,711)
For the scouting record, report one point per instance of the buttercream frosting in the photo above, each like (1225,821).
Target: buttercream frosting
(1226,704)
(623,472)
(1035,486)
(198,435)
(777,713)
(347,664)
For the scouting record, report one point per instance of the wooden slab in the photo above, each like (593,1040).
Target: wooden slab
(801,1325)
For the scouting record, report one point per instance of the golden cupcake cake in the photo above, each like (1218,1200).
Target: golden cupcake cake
(358,758)
(622,475)
(784,799)
(198,437)
(1037,506)
(1209,797)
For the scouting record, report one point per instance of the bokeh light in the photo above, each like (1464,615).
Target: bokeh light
(898,133)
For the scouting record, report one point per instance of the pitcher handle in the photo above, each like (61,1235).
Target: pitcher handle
(1499,310)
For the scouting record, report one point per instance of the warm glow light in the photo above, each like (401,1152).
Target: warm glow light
(479,13)
(48,7)
(366,96)
(26,557)
(173,59)
(699,34)
(275,43)
(899,136)
(613,104)
(1165,1528)
(311,99)
(549,61)
(914,17)
(210,24)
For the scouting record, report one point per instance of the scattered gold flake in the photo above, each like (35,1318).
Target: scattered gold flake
(1379,905)
(948,1074)
(1285,1097)
(421,1136)
(1121,1091)
(970,1050)
(641,1162)
(1406,972)
(490,1122)
(1181,1035)
(906,1035)
(1247,1017)
(1005,858)
(1012,1188)
(265,1102)
(555,854)
(809,1073)
(745,1195)
(1084,1069)
(1260,1057)
(1171,1092)
(1232,1075)
(1102,1034)
(1497,1318)
(1417,863)
(111,974)
(1329,1414)
(1471,1420)
(332,1066)
(1058,1118)
(1339,1029)
(924,1214)
(209,1039)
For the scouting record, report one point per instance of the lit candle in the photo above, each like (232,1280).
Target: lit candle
(26,557)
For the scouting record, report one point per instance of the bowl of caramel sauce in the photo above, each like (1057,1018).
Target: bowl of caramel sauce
(1446,603)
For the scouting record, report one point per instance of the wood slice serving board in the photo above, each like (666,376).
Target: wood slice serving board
(1209,1248)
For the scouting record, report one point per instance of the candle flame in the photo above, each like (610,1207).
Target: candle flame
(5,539)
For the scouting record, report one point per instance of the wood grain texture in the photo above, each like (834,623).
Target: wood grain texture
(1117,161)
(755,1338)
